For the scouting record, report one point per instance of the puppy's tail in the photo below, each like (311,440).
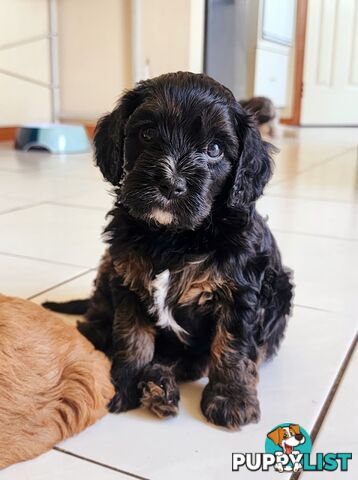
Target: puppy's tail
(73,307)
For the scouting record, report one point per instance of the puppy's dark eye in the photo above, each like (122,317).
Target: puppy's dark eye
(214,150)
(147,134)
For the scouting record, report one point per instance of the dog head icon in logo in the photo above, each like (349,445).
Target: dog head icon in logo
(288,442)
(287,438)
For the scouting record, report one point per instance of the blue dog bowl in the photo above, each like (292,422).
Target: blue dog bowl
(52,137)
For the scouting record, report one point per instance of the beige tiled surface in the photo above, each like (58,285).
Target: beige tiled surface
(79,165)
(59,466)
(79,287)
(325,272)
(56,233)
(194,449)
(304,157)
(340,420)
(100,198)
(311,217)
(40,185)
(7,204)
(53,235)
(335,180)
(26,277)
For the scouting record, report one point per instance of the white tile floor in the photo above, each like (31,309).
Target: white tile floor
(51,213)
(330,437)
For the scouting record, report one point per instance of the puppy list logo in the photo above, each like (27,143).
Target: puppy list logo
(288,449)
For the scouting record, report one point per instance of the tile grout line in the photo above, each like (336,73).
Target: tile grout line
(56,203)
(318,164)
(100,464)
(316,309)
(44,260)
(32,297)
(94,269)
(52,169)
(330,397)
(22,207)
(333,390)
(74,205)
(316,235)
(58,175)
(304,198)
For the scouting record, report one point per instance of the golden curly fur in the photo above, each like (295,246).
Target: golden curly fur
(53,383)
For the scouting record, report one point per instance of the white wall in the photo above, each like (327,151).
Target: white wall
(25,95)
(95,52)
(171,36)
(95,48)
(94,55)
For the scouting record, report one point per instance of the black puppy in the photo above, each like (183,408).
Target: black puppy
(192,283)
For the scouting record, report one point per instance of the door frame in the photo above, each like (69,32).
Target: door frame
(300,40)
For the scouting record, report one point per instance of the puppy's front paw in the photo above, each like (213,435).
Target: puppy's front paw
(230,409)
(160,391)
(124,399)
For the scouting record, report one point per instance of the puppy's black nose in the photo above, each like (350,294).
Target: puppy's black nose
(173,188)
(298,436)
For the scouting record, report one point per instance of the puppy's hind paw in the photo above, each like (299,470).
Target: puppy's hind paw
(160,391)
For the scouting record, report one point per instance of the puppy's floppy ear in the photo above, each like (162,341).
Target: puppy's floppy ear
(253,167)
(109,136)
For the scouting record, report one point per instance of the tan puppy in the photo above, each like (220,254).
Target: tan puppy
(53,384)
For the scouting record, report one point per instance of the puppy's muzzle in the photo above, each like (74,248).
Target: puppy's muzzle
(173,187)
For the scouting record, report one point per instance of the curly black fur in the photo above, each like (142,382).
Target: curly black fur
(225,297)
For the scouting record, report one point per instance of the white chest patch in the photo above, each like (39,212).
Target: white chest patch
(161,216)
(160,287)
